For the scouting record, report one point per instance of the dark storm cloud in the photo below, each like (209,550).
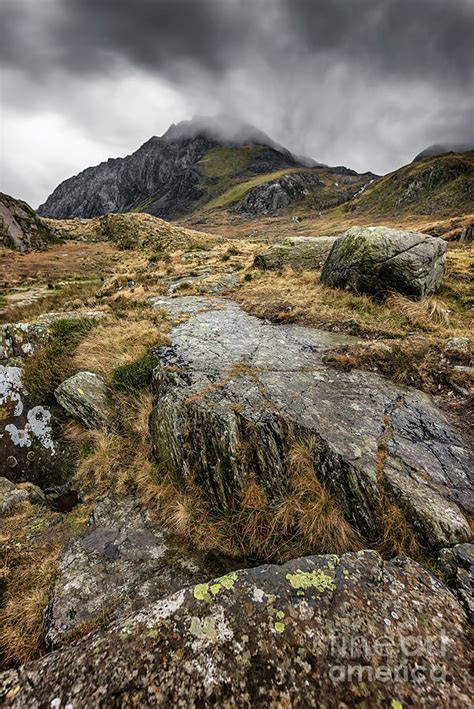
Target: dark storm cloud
(429,39)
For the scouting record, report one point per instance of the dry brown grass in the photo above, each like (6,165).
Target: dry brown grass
(424,314)
(115,343)
(31,543)
(397,537)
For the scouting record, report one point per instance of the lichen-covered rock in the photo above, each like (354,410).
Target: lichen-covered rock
(378,260)
(299,252)
(233,392)
(21,228)
(317,631)
(121,565)
(23,339)
(86,397)
(29,449)
(10,496)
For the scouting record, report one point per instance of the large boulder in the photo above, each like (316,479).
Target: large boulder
(377,260)
(30,449)
(233,392)
(86,397)
(121,565)
(299,252)
(21,228)
(318,631)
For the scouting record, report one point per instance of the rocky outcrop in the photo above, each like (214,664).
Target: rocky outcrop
(29,448)
(272,196)
(121,565)
(299,252)
(378,260)
(315,630)
(233,392)
(20,227)
(86,397)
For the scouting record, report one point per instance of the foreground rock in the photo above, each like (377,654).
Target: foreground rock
(21,228)
(233,392)
(30,449)
(316,631)
(86,397)
(378,260)
(299,252)
(10,496)
(121,565)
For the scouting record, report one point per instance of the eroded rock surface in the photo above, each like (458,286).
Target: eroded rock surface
(378,260)
(299,252)
(29,447)
(86,397)
(233,392)
(315,631)
(121,565)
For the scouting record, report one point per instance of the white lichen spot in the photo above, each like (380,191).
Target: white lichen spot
(258,595)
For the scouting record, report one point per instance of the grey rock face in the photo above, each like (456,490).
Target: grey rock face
(299,252)
(377,260)
(271,636)
(121,565)
(86,397)
(20,227)
(233,392)
(272,196)
(29,449)
(457,563)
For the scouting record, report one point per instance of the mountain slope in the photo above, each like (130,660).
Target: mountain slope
(195,166)
(442,185)
(20,227)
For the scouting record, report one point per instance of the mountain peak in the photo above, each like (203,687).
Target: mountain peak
(223,129)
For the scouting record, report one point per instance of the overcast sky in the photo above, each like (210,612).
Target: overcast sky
(364,83)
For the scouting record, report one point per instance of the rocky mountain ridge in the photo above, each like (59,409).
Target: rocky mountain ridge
(192,165)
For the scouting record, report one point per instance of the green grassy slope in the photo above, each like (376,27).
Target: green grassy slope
(441,185)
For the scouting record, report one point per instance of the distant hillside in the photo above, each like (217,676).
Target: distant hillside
(441,148)
(20,227)
(201,165)
(441,185)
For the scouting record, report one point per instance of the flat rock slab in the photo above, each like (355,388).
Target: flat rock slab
(30,449)
(318,631)
(299,252)
(121,565)
(231,383)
